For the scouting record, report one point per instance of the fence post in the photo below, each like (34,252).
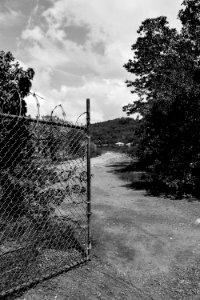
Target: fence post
(88,181)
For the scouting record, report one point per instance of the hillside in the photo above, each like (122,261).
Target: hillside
(113,131)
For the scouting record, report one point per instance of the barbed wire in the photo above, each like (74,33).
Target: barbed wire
(37,103)
(79,117)
(63,112)
(38,115)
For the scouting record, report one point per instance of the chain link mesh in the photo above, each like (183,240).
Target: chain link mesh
(43,199)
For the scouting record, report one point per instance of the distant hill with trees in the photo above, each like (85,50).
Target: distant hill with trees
(113,131)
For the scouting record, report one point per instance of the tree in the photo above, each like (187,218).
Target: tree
(15,84)
(25,186)
(16,146)
(166,66)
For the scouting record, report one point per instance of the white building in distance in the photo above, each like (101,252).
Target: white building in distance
(119,144)
(129,144)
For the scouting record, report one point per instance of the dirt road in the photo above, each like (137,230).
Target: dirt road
(139,244)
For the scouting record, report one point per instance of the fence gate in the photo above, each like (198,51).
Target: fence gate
(44,199)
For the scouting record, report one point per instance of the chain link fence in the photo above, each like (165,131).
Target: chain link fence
(44,199)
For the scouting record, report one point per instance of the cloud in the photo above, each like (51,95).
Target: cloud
(54,38)
(34,34)
(88,42)
(10,17)
(107,98)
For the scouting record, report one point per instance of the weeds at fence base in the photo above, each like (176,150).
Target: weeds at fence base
(52,251)
(41,265)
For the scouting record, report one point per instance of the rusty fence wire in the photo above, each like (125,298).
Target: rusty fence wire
(44,215)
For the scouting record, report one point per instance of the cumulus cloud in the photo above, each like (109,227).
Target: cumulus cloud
(90,40)
(107,99)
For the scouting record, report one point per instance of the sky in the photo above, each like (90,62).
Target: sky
(77,49)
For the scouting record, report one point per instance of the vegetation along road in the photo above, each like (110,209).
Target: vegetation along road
(144,247)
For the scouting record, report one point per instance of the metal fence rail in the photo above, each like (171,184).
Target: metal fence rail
(44,199)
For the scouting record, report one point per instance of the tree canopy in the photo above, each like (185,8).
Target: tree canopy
(166,65)
(16,145)
(15,84)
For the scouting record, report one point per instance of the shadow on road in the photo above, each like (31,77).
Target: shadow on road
(138,178)
(135,175)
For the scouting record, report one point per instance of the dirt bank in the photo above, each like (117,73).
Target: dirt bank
(139,242)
